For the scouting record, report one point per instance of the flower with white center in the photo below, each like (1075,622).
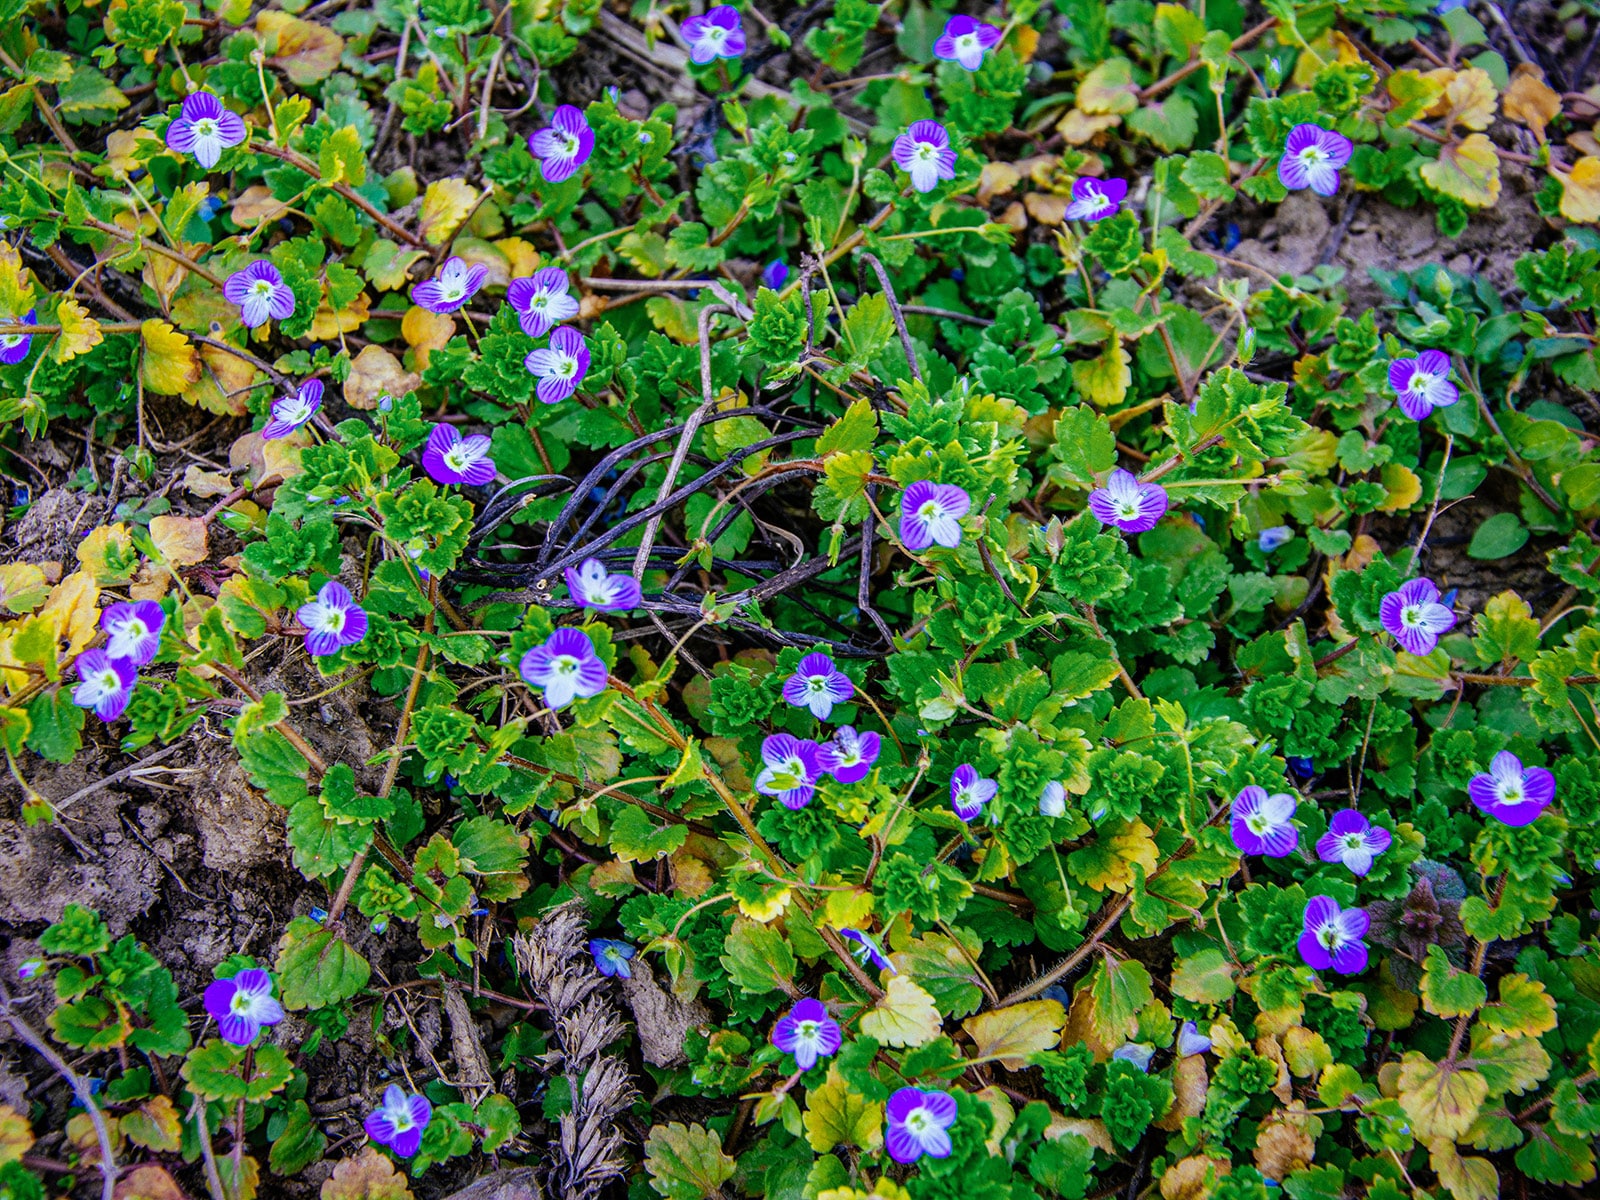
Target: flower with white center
(541,301)
(592,586)
(133,630)
(561,366)
(611,957)
(291,412)
(923,152)
(791,767)
(106,683)
(1331,937)
(333,620)
(243,1006)
(930,514)
(1095,199)
(1053,800)
(807,1032)
(399,1121)
(969,793)
(564,146)
(1423,383)
(453,286)
(850,755)
(717,34)
(1352,840)
(1414,617)
(14,346)
(1263,824)
(1312,158)
(260,293)
(1511,793)
(818,685)
(451,458)
(566,667)
(204,129)
(919,1123)
(966,40)
(1127,504)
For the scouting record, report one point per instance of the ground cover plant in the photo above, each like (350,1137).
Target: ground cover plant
(857,600)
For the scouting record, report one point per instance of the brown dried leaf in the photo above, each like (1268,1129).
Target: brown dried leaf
(1193,1178)
(181,540)
(1045,208)
(1283,1148)
(256,205)
(306,51)
(1530,101)
(376,372)
(1078,127)
(998,179)
(149,1182)
(1189,1086)
(202,483)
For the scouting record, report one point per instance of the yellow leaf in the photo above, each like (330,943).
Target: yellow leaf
(328,325)
(1109,88)
(79,332)
(1403,486)
(1046,207)
(375,372)
(1332,48)
(1305,1051)
(16,285)
(22,587)
(445,206)
(476,252)
(15,1135)
(426,332)
(1580,191)
(1530,100)
(368,1176)
(522,257)
(1468,97)
(1012,1033)
(108,554)
(170,364)
(1282,1147)
(904,1016)
(1464,1178)
(181,540)
(1441,1100)
(1078,127)
(836,1114)
(1468,170)
(848,909)
(1105,380)
(149,1182)
(197,481)
(306,51)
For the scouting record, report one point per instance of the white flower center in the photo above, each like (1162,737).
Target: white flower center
(1312,156)
(331,620)
(105,683)
(967,42)
(919,1121)
(1127,508)
(807,1031)
(458,458)
(1331,936)
(926,151)
(262,288)
(563,665)
(1258,824)
(565,368)
(205,127)
(400,1118)
(1411,616)
(1354,841)
(930,510)
(452,291)
(1511,792)
(715,34)
(295,411)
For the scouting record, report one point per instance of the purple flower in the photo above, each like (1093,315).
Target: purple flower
(969,793)
(919,1123)
(1423,383)
(565,666)
(564,146)
(133,631)
(1263,824)
(541,302)
(333,620)
(792,768)
(561,366)
(808,1033)
(260,293)
(931,512)
(1332,937)
(205,129)
(611,957)
(1352,840)
(291,412)
(775,275)
(718,34)
(399,1121)
(1414,616)
(451,458)
(593,587)
(1053,800)
(965,40)
(924,153)
(14,346)
(107,683)
(242,1005)
(1137,1053)
(1312,159)
(453,286)
(868,950)
(850,756)
(1512,793)
(818,685)
(1095,199)
(27,969)
(1191,1040)
(1124,502)
(1272,539)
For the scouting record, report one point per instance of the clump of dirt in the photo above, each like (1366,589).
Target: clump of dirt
(51,529)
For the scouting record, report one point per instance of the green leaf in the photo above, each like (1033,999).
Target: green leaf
(56,725)
(1501,536)
(316,967)
(1119,989)
(838,1115)
(1507,630)
(299,1145)
(216,1071)
(757,958)
(1204,978)
(498,1117)
(855,431)
(636,838)
(1085,448)
(904,1015)
(686,1162)
(1447,991)
(1171,125)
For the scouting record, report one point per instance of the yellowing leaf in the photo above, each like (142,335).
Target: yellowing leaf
(169,364)
(837,1115)
(686,1162)
(1468,97)
(1442,1100)
(15,1135)
(328,324)
(445,206)
(181,540)
(1012,1033)
(1119,989)
(1468,170)
(1189,1086)
(1525,1009)
(1104,380)
(108,553)
(522,257)
(1530,101)
(1109,88)
(1465,1178)
(375,372)
(197,481)
(904,1016)
(305,51)
(22,587)
(847,910)
(1580,190)
(1078,127)
(1108,861)
(1403,486)
(154,1125)
(79,334)
(257,205)
(369,1176)
(426,332)
(16,285)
